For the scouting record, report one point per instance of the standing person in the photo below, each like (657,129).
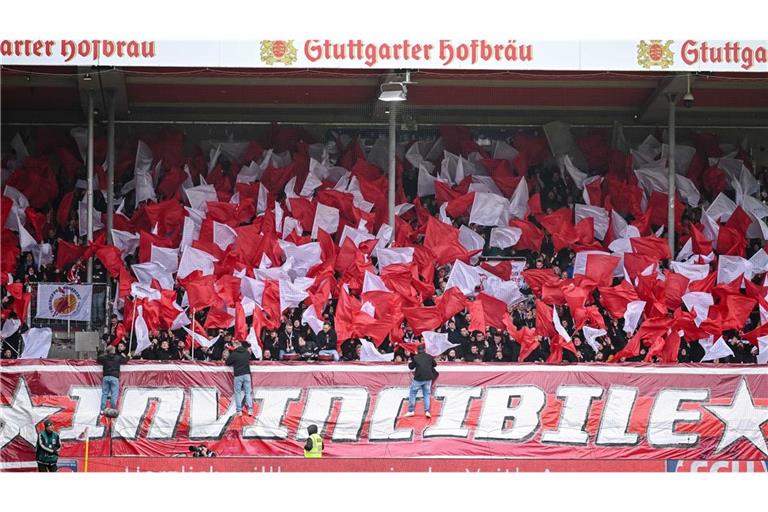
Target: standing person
(240,361)
(423,366)
(326,342)
(313,448)
(110,385)
(47,449)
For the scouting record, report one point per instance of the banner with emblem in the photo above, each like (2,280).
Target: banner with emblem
(62,301)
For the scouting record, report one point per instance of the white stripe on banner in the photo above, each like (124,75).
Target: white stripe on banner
(386,368)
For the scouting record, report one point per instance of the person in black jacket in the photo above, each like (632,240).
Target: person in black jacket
(240,361)
(326,342)
(423,366)
(110,385)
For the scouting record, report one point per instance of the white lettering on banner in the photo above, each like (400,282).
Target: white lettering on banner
(273,407)
(497,411)
(353,408)
(343,413)
(389,404)
(666,414)
(86,415)
(615,420)
(453,413)
(135,405)
(204,419)
(575,413)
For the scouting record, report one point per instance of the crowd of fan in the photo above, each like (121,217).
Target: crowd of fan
(297,341)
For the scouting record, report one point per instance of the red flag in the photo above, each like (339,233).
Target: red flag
(651,246)
(270,302)
(218,318)
(65,208)
(600,268)
(423,318)
(676,286)
(531,237)
(37,220)
(537,277)
(616,298)
(112,259)
(67,253)
(443,241)
(699,243)
(450,303)
(544,324)
(730,242)
(200,291)
(460,205)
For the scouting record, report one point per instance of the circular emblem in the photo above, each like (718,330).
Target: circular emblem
(64,301)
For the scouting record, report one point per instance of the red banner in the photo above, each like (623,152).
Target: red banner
(598,412)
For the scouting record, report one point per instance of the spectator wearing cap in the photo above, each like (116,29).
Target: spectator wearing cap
(47,449)
(240,360)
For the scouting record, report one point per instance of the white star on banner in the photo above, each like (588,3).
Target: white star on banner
(741,419)
(20,417)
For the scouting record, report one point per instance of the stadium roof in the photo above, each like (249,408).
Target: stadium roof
(349,97)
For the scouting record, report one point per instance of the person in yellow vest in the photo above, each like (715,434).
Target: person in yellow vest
(313,448)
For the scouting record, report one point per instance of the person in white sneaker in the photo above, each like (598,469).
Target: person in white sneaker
(423,366)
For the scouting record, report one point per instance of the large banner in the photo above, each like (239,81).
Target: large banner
(595,412)
(689,55)
(61,301)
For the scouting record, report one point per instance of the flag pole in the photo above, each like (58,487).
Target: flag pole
(87,449)
(133,324)
(193,338)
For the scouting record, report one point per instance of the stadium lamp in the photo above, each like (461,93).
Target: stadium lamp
(398,94)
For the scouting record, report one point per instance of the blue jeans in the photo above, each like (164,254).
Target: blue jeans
(110,387)
(243,385)
(330,353)
(425,386)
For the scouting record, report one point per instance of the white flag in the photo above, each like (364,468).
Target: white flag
(310,318)
(202,340)
(632,315)
(436,343)
(591,335)
(489,210)
(715,350)
(470,239)
(559,326)
(731,267)
(125,241)
(700,303)
(503,237)
(167,257)
(762,355)
(326,218)
(518,204)
(369,353)
(37,343)
(223,235)
(145,272)
(254,341)
(373,283)
(10,326)
(141,330)
(195,259)
(143,174)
